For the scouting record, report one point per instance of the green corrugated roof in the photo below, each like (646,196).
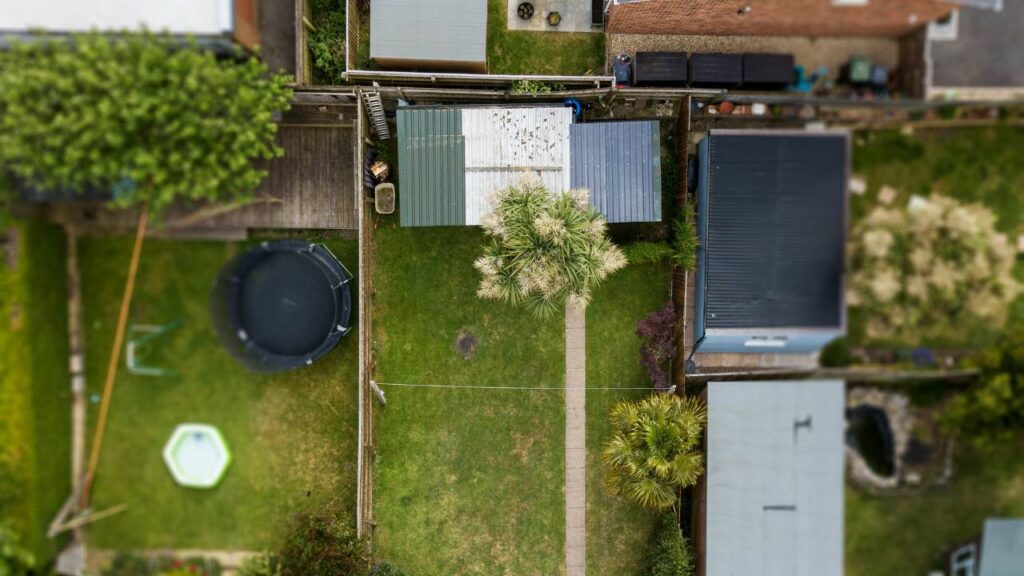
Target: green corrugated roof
(432,160)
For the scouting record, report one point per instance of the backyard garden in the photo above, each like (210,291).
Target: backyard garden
(292,434)
(910,534)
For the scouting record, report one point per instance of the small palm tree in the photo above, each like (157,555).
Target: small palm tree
(545,249)
(655,449)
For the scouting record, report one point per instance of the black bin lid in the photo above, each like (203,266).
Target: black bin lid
(716,70)
(661,68)
(768,70)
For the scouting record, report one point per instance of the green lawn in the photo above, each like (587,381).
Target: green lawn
(467,481)
(293,435)
(35,438)
(909,535)
(971,164)
(618,531)
(555,53)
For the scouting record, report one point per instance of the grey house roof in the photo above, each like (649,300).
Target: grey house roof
(987,52)
(431,30)
(772,220)
(775,478)
(620,163)
(1002,547)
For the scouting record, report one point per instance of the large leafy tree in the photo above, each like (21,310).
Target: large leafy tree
(992,412)
(545,248)
(655,448)
(930,268)
(142,114)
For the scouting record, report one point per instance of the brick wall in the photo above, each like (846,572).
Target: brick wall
(772,17)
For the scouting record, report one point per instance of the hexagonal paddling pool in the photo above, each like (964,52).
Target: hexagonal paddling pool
(197,455)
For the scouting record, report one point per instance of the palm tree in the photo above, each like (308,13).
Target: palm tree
(655,448)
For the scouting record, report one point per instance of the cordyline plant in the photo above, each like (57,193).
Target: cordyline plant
(656,330)
(138,113)
(933,266)
(655,449)
(545,249)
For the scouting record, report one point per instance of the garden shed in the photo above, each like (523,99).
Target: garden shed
(771,501)
(772,218)
(443,35)
(1002,547)
(216,24)
(620,163)
(453,159)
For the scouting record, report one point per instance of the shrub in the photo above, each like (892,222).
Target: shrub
(654,449)
(992,412)
(323,544)
(327,41)
(657,330)
(936,264)
(138,114)
(684,240)
(15,560)
(260,565)
(671,554)
(385,569)
(545,249)
(647,252)
(837,354)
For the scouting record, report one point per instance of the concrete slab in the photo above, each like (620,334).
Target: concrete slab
(576,16)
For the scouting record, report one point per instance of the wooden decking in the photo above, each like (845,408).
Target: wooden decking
(312,186)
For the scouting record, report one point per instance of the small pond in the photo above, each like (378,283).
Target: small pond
(868,432)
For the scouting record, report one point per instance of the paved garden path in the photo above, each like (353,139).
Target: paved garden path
(575,442)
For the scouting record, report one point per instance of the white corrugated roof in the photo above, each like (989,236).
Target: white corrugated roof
(199,17)
(775,478)
(503,144)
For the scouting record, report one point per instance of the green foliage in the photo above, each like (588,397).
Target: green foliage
(647,252)
(545,249)
(327,41)
(14,559)
(138,114)
(655,449)
(125,564)
(260,565)
(385,569)
(323,544)
(836,354)
(993,411)
(684,240)
(129,564)
(535,87)
(671,554)
(5,200)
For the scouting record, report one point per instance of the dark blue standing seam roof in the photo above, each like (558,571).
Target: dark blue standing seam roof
(776,219)
(620,163)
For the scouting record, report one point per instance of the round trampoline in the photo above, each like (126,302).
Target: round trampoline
(282,304)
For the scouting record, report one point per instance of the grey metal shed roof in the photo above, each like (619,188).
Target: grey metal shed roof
(620,163)
(1002,547)
(775,478)
(773,209)
(432,30)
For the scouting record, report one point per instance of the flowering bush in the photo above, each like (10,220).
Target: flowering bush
(656,329)
(934,264)
(545,249)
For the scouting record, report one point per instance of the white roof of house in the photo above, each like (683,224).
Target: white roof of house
(504,144)
(199,17)
(775,478)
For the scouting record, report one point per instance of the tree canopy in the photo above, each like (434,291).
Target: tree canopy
(545,248)
(931,268)
(655,448)
(144,115)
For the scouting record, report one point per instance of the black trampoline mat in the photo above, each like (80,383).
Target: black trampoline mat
(286,304)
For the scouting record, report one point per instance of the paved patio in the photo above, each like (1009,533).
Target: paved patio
(576,16)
